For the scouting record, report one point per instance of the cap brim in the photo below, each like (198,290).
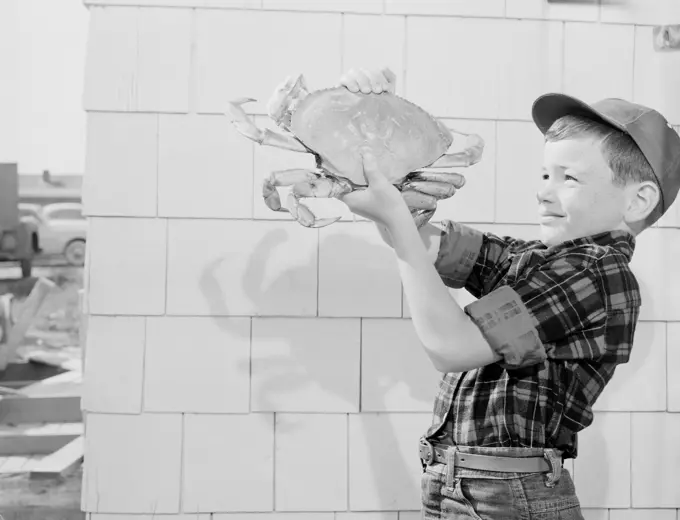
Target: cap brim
(550,107)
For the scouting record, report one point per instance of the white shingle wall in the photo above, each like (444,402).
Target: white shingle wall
(242,366)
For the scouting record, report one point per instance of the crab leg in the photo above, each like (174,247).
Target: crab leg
(423,189)
(455,179)
(320,187)
(418,200)
(284,178)
(439,190)
(472,154)
(422,216)
(304,215)
(305,183)
(247,127)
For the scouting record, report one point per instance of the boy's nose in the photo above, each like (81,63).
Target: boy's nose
(546,193)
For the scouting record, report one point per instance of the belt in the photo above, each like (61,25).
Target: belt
(430,454)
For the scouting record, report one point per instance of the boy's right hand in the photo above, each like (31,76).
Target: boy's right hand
(367,81)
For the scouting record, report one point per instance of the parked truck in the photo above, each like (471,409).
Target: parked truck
(19,241)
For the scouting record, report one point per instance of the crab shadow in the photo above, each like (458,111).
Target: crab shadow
(294,371)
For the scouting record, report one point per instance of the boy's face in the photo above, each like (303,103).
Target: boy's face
(577,196)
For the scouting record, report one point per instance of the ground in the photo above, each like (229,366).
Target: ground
(56,329)
(24,499)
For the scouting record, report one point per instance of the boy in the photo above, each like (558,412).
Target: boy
(525,362)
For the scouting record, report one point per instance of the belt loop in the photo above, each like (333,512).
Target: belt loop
(554,458)
(451,466)
(429,458)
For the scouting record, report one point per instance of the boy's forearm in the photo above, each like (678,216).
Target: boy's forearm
(384,234)
(429,234)
(452,341)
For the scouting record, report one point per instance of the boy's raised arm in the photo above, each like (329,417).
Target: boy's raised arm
(429,233)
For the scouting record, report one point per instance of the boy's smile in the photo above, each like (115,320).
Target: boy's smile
(578,197)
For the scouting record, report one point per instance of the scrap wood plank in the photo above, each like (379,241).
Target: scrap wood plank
(16,463)
(26,409)
(54,359)
(19,463)
(28,312)
(5,390)
(60,462)
(64,384)
(34,439)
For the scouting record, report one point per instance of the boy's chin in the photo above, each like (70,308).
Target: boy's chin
(551,236)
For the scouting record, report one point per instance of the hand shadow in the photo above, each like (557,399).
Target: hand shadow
(296,368)
(261,297)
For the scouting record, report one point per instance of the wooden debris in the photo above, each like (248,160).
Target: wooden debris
(18,463)
(65,384)
(26,409)
(29,311)
(54,359)
(60,462)
(32,439)
(5,390)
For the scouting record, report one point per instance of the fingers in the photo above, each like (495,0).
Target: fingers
(390,80)
(355,80)
(367,81)
(377,80)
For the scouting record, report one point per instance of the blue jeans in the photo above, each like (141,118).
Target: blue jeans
(489,495)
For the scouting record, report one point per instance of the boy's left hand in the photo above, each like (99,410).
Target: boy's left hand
(381,201)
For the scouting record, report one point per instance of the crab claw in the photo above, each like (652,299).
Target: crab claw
(286,95)
(439,190)
(455,179)
(243,123)
(418,200)
(470,155)
(474,146)
(271,196)
(304,215)
(321,188)
(422,216)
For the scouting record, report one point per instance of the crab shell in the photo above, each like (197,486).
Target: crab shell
(336,124)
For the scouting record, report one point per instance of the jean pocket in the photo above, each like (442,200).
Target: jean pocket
(548,503)
(488,499)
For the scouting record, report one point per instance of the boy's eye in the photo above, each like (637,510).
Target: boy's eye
(545,177)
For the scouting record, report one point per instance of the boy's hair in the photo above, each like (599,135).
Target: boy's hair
(622,155)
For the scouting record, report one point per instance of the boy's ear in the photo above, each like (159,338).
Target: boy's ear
(645,197)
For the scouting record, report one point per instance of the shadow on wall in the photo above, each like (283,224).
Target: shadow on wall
(295,369)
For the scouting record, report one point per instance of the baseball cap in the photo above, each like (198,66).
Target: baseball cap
(656,138)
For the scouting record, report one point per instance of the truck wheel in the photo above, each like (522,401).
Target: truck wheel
(26,267)
(74,252)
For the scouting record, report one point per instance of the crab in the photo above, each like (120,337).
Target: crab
(335,125)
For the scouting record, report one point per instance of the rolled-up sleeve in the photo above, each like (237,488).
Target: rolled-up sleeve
(509,327)
(458,251)
(564,310)
(473,259)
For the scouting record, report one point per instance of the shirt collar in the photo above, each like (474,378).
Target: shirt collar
(622,241)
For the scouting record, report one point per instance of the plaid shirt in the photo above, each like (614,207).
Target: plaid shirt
(562,317)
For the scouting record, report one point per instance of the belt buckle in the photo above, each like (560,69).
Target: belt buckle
(429,460)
